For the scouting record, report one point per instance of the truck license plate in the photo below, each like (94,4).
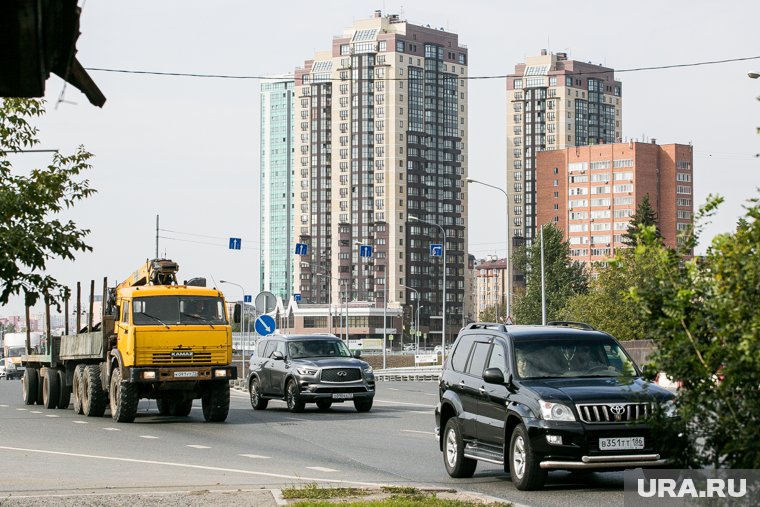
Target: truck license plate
(627,443)
(185,374)
(343,396)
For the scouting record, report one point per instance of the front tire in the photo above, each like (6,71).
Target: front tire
(363,405)
(293,398)
(257,401)
(124,398)
(524,465)
(50,388)
(216,402)
(324,404)
(94,399)
(29,386)
(457,465)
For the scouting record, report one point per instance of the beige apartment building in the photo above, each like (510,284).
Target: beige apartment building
(381,139)
(591,192)
(553,103)
(490,280)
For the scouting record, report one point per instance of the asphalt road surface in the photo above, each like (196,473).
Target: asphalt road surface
(45,453)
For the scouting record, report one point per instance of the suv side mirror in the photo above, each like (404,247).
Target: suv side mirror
(277,355)
(493,376)
(357,354)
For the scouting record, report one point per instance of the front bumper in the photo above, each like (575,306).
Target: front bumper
(313,390)
(149,375)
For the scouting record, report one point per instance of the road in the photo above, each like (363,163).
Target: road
(53,452)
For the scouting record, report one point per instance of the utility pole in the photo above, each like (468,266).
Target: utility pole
(156,236)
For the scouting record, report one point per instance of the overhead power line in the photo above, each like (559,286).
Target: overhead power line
(471,78)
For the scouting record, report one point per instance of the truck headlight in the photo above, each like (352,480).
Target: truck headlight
(555,411)
(220,373)
(148,375)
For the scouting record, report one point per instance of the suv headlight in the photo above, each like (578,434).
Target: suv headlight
(367,369)
(555,411)
(306,371)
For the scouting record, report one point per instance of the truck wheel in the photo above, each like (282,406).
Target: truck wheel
(257,401)
(124,398)
(216,401)
(64,396)
(524,465)
(76,388)
(456,464)
(163,406)
(94,398)
(29,386)
(50,388)
(181,408)
(292,397)
(40,383)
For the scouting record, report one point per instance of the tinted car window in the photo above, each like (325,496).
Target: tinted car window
(270,348)
(281,347)
(318,348)
(498,358)
(478,359)
(462,351)
(261,347)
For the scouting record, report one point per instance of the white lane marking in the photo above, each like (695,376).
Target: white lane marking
(393,389)
(147,436)
(22,409)
(430,394)
(79,422)
(416,431)
(4,406)
(196,446)
(403,403)
(196,467)
(322,469)
(112,429)
(255,456)
(51,415)
(35,412)
(426,412)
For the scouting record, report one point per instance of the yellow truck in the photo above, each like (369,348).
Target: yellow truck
(157,340)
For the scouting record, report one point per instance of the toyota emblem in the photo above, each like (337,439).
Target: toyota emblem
(617,409)
(342,373)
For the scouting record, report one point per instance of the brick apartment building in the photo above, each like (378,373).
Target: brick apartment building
(591,192)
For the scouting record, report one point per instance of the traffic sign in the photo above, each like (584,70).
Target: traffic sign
(509,321)
(265,302)
(301,248)
(297,298)
(247,298)
(436,250)
(265,325)
(235,243)
(365,251)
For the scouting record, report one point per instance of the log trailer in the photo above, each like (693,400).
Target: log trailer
(156,340)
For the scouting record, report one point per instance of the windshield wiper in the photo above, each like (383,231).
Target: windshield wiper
(156,318)
(199,317)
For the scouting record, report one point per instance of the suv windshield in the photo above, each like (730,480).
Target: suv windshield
(317,348)
(563,358)
(187,310)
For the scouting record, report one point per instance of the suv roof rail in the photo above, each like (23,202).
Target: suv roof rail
(487,325)
(568,323)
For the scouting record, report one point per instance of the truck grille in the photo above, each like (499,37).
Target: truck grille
(167,358)
(613,412)
(341,374)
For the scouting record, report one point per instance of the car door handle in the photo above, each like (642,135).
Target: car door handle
(482,390)
(461,382)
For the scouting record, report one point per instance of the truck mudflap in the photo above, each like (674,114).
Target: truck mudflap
(182,374)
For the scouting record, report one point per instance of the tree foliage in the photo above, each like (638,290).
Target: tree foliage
(645,216)
(564,278)
(30,231)
(492,313)
(704,316)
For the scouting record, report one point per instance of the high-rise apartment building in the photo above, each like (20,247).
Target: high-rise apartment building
(381,137)
(591,192)
(552,103)
(276,184)
(491,279)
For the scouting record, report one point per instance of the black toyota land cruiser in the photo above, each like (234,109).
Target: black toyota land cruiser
(540,398)
(304,369)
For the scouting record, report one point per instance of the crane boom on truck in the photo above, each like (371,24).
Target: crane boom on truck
(158,340)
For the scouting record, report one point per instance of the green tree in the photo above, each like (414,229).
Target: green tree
(30,232)
(492,313)
(704,315)
(564,278)
(645,216)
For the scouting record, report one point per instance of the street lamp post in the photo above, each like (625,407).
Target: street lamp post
(331,304)
(443,320)
(417,326)
(242,325)
(508,259)
(385,303)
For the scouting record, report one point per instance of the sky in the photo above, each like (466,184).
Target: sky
(187,149)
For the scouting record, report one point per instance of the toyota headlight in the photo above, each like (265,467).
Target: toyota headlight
(555,411)
(669,409)
(306,371)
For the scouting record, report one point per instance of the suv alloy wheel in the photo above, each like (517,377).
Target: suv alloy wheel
(523,464)
(453,454)
(257,402)
(295,404)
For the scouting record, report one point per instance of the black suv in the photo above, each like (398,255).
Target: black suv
(304,369)
(540,398)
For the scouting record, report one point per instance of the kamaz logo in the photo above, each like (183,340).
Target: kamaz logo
(182,353)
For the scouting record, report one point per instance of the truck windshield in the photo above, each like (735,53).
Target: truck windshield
(562,358)
(182,310)
(16,351)
(317,348)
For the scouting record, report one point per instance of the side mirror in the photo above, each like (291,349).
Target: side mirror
(493,376)
(357,354)
(236,314)
(277,356)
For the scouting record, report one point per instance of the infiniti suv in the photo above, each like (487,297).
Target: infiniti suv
(315,368)
(541,398)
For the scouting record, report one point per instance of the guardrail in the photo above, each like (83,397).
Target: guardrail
(417,374)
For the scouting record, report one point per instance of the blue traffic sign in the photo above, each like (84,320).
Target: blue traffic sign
(301,248)
(365,251)
(247,298)
(265,325)
(436,250)
(297,297)
(235,243)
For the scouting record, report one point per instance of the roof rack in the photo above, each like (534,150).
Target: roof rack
(567,323)
(487,325)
